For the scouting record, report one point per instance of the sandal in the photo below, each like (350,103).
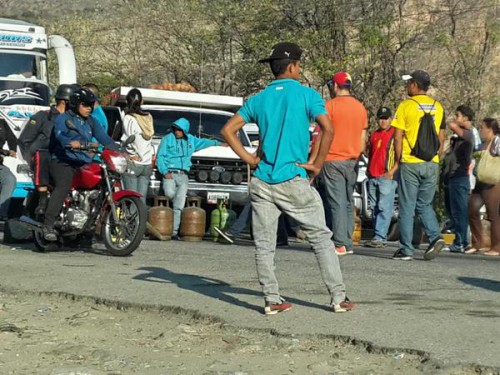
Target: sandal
(471,250)
(492,253)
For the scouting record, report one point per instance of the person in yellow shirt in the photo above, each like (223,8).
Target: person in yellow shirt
(418,178)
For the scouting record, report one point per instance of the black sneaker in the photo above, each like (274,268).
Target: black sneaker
(399,255)
(434,248)
(455,248)
(49,234)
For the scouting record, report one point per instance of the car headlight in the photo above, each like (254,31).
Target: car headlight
(119,164)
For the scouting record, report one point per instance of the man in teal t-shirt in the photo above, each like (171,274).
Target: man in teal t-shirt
(283,112)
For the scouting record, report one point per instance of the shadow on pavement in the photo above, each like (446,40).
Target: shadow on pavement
(210,287)
(492,285)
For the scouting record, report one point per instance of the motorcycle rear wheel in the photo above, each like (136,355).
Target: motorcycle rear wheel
(122,238)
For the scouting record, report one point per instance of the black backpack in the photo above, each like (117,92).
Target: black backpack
(427,144)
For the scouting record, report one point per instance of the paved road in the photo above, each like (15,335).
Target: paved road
(449,307)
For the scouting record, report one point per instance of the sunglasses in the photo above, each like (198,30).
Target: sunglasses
(87,104)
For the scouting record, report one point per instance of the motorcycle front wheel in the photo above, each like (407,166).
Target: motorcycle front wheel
(123,236)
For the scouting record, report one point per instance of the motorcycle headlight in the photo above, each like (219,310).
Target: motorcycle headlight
(119,164)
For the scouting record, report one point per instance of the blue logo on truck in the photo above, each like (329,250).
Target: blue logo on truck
(12,39)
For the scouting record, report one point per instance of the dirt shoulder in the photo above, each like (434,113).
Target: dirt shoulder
(56,336)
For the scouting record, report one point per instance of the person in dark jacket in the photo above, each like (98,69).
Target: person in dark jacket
(67,156)
(35,139)
(7,178)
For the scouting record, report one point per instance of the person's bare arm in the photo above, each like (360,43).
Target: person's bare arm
(455,128)
(398,145)
(230,133)
(363,141)
(314,166)
(315,148)
(442,138)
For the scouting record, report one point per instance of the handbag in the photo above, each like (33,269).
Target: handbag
(488,169)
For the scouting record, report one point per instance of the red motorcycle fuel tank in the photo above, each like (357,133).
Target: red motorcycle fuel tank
(87,177)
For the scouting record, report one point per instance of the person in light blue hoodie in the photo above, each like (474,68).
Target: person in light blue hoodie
(174,162)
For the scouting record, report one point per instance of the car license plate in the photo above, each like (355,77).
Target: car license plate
(212,196)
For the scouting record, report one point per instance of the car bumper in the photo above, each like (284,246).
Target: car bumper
(238,194)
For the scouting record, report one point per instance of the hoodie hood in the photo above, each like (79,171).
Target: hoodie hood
(183,124)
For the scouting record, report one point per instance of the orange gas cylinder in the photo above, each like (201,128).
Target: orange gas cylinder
(161,218)
(193,220)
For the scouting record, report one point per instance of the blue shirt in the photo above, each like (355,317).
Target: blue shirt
(175,153)
(86,129)
(283,112)
(98,114)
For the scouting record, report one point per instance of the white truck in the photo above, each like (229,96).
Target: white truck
(217,172)
(24,85)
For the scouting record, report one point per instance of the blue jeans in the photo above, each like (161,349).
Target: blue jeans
(456,195)
(7,186)
(241,222)
(416,190)
(381,193)
(337,182)
(176,189)
(300,201)
(137,178)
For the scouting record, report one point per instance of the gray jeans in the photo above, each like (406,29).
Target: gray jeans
(300,201)
(176,189)
(338,179)
(7,187)
(137,178)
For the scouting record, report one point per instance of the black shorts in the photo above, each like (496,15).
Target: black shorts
(40,163)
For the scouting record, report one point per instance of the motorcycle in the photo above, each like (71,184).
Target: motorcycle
(97,205)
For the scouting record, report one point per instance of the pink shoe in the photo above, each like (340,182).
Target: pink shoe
(343,251)
(275,308)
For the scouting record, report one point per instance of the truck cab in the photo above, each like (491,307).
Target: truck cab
(24,87)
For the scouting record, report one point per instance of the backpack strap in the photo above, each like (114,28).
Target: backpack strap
(420,105)
(428,113)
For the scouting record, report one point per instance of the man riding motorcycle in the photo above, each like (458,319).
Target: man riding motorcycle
(35,139)
(66,154)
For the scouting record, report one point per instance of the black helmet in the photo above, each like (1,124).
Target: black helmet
(81,95)
(64,91)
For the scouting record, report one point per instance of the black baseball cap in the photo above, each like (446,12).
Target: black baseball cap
(420,76)
(384,113)
(284,50)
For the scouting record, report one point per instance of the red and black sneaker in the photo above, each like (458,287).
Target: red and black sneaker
(344,306)
(275,308)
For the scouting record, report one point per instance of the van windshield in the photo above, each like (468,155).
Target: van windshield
(203,125)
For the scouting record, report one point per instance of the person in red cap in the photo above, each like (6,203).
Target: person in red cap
(338,176)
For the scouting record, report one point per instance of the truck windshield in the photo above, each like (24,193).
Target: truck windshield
(203,125)
(15,65)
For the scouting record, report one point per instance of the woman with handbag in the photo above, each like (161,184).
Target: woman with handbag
(141,150)
(487,190)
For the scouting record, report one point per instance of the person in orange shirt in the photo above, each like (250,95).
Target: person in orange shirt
(338,176)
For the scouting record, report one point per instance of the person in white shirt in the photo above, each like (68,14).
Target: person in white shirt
(138,123)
